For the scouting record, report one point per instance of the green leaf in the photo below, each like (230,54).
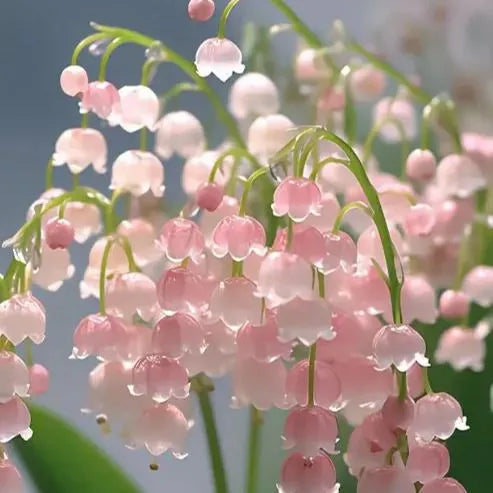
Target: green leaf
(60,459)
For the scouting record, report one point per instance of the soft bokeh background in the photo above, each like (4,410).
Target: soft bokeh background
(36,42)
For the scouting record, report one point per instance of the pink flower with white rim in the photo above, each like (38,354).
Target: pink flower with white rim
(437,416)
(283,276)
(419,220)
(386,479)
(212,362)
(400,346)
(160,378)
(142,237)
(39,379)
(238,236)
(180,132)
(478,285)
(463,347)
(14,376)
(22,316)
(301,474)
(219,56)
(421,165)
(459,176)
(253,94)
(398,414)
(14,420)
(80,147)
(268,134)
(305,320)
(234,302)
(309,429)
(361,454)
(454,304)
(377,432)
(427,462)
(443,485)
(327,213)
(181,238)
(340,252)
(74,80)
(10,479)
(100,97)
(418,300)
(399,109)
(159,428)
(138,172)
(137,108)
(54,269)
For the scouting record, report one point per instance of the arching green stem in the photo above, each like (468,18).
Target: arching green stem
(107,55)
(221,32)
(320,165)
(89,40)
(102,275)
(127,248)
(248,186)
(347,208)
(237,152)
(176,90)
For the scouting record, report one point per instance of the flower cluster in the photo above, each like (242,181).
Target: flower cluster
(297,266)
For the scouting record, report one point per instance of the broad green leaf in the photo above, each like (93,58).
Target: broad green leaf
(60,459)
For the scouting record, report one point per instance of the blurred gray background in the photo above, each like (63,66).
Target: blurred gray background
(36,41)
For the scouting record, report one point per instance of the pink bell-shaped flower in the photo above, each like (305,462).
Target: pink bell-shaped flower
(201,10)
(253,94)
(400,346)
(309,429)
(298,198)
(39,379)
(178,334)
(327,213)
(463,348)
(283,276)
(327,385)
(223,338)
(238,236)
(459,176)
(137,108)
(209,196)
(398,109)
(212,362)
(80,147)
(180,132)
(378,433)
(301,474)
(142,237)
(196,171)
(74,80)
(130,294)
(54,269)
(59,233)
(268,134)
(180,239)
(340,251)
(22,316)
(159,428)
(443,485)
(437,415)
(387,479)
(219,56)
(261,341)
(84,218)
(362,453)
(427,462)
(478,285)
(306,320)
(454,304)
(156,376)
(181,290)
(138,172)
(14,376)
(14,420)
(310,66)
(367,83)
(104,336)
(100,97)
(398,414)
(421,165)
(10,479)
(419,220)
(234,302)
(418,300)
(259,383)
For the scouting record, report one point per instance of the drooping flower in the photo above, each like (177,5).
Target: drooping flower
(209,196)
(310,66)
(367,83)
(454,304)
(268,134)
(181,238)
(14,420)
(399,109)
(54,269)
(201,10)
(478,285)
(10,479)
(459,176)
(74,80)
(219,56)
(427,462)
(298,198)
(59,233)
(14,376)
(421,165)
(387,479)
(100,97)
(39,379)
(398,414)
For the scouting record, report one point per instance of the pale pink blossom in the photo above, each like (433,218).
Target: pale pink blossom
(238,236)
(212,362)
(310,66)
(327,213)
(39,379)
(160,378)
(301,474)
(363,454)
(14,420)
(74,80)
(421,165)
(377,432)
(419,220)
(234,302)
(418,300)
(159,428)
(196,171)
(180,132)
(253,94)
(100,97)
(22,316)
(387,479)
(367,83)
(136,108)
(138,172)
(268,134)
(340,251)
(443,485)
(309,429)
(306,320)
(201,10)
(209,196)
(219,56)
(14,376)
(398,414)
(459,176)
(454,304)
(181,238)
(480,149)
(478,285)
(400,346)
(427,462)
(54,269)
(437,416)
(59,233)
(142,237)
(10,479)
(399,109)
(298,198)
(80,147)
